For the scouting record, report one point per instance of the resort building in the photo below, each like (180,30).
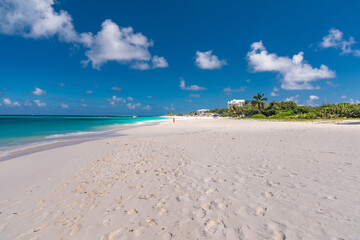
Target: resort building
(202,112)
(236,102)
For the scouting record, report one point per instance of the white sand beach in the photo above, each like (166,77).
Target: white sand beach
(195,179)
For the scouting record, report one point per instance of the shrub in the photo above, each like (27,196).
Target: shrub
(258,116)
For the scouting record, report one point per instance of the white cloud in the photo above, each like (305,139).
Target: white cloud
(38,19)
(117,44)
(194,95)
(129,98)
(343,96)
(114,99)
(116,89)
(159,62)
(191,87)
(147,107)
(61,84)
(352,101)
(295,73)
(38,92)
(335,40)
(63,105)
(89,91)
(292,99)
(28,103)
(156,62)
(39,103)
(274,92)
(229,89)
(152,97)
(114,43)
(7,102)
(249,80)
(205,60)
(330,83)
(171,108)
(132,105)
(312,99)
(140,66)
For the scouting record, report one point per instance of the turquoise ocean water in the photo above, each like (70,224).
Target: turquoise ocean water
(21,132)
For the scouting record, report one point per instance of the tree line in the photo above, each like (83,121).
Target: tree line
(258,108)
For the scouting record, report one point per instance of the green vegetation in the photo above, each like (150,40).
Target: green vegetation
(258,116)
(257,108)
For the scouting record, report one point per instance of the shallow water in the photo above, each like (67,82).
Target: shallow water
(21,132)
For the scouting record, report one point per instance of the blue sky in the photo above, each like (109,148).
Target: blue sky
(153,57)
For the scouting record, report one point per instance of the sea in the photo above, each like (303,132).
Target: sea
(19,133)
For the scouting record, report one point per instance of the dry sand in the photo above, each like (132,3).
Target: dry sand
(196,179)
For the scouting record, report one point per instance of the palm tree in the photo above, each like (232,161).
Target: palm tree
(259,101)
(233,111)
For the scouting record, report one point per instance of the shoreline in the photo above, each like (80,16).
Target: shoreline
(195,179)
(67,139)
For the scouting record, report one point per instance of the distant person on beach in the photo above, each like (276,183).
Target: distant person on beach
(173,119)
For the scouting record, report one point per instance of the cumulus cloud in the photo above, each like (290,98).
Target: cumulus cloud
(311,100)
(159,62)
(335,40)
(156,62)
(114,99)
(39,103)
(330,83)
(38,19)
(274,92)
(129,98)
(38,92)
(114,43)
(117,44)
(89,91)
(352,101)
(229,89)
(171,108)
(7,102)
(116,89)
(132,105)
(295,73)
(292,99)
(152,97)
(63,105)
(343,96)
(191,87)
(147,107)
(206,60)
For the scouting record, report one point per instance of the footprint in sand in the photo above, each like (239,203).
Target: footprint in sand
(76,229)
(211,190)
(132,211)
(257,211)
(331,197)
(212,226)
(268,194)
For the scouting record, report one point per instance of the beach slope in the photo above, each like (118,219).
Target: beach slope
(195,179)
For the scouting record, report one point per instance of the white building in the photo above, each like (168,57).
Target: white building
(202,112)
(236,102)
